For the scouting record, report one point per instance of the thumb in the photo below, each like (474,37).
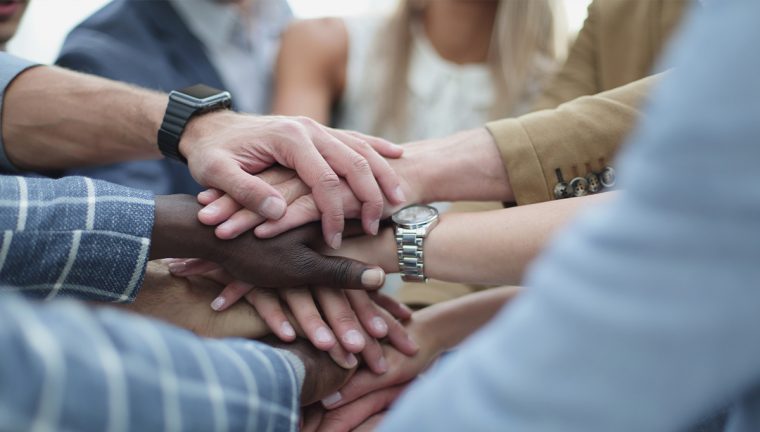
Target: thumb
(345,273)
(252,193)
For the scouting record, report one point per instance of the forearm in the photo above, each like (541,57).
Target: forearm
(93,120)
(461,167)
(492,248)
(447,324)
(74,237)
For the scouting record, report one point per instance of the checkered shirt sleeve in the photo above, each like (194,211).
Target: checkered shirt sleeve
(68,367)
(73,237)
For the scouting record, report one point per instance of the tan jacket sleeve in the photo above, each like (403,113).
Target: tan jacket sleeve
(579,74)
(575,139)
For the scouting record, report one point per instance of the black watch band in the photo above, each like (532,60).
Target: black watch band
(183,105)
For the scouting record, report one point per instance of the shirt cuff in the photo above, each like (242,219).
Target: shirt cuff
(10,68)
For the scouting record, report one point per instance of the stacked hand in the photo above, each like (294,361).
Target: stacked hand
(224,149)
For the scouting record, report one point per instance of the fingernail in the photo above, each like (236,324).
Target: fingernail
(323,335)
(332,399)
(379,325)
(373,278)
(374,227)
(287,329)
(203,195)
(353,337)
(218,303)
(351,360)
(336,241)
(399,194)
(272,208)
(210,210)
(177,267)
(382,365)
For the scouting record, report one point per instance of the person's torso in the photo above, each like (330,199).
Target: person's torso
(440,98)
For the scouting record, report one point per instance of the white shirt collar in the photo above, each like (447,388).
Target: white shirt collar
(212,23)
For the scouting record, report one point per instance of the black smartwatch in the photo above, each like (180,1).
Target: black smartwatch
(183,105)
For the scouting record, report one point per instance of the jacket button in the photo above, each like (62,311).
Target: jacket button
(578,187)
(594,185)
(608,177)
(560,190)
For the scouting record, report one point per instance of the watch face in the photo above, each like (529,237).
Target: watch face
(202,96)
(200,91)
(415,215)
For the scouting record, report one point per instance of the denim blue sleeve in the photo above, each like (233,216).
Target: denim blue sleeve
(643,315)
(74,237)
(68,367)
(10,67)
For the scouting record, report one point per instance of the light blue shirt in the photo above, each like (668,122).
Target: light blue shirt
(241,46)
(644,315)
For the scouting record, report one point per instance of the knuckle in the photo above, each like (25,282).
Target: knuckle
(363,147)
(329,180)
(341,272)
(359,163)
(291,128)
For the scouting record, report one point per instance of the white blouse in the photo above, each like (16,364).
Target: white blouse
(442,98)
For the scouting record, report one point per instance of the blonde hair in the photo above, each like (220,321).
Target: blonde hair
(528,40)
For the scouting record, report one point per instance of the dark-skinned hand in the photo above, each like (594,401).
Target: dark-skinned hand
(289,260)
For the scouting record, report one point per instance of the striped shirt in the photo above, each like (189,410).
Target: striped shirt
(68,367)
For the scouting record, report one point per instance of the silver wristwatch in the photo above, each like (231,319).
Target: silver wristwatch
(413,224)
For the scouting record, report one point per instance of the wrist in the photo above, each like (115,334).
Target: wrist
(177,233)
(466,166)
(200,126)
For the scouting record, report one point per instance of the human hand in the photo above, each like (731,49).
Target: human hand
(183,302)
(402,368)
(353,319)
(322,374)
(233,219)
(290,260)
(363,414)
(224,149)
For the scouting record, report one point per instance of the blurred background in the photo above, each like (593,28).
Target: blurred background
(48,21)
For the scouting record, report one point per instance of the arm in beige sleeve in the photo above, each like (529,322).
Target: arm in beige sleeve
(579,74)
(574,139)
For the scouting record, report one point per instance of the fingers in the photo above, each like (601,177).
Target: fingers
(386,177)
(250,191)
(398,337)
(233,224)
(341,317)
(191,267)
(267,304)
(219,210)
(353,415)
(353,337)
(357,170)
(384,147)
(230,295)
(325,185)
(343,358)
(345,273)
(304,210)
(365,310)
(398,310)
(241,221)
(209,195)
(302,306)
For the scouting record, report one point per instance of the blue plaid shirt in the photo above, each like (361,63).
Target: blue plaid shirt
(64,366)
